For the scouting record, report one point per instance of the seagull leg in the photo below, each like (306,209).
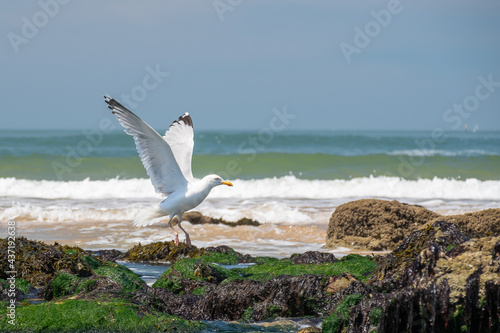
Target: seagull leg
(176,235)
(188,239)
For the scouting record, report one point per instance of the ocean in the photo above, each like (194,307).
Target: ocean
(84,187)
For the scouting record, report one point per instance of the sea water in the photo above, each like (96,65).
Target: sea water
(85,187)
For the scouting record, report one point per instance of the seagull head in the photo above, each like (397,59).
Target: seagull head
(214,180)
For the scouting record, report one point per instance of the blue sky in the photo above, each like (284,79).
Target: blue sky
(334,65)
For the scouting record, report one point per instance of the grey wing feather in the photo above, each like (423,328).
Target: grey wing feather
(155,153)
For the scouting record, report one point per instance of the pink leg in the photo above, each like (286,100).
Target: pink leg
(176,235)
(188,239)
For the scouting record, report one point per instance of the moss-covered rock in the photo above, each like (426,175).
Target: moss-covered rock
(198,288)
(357,265)
(188,275)
(57,271)
(162,252)
(93,316)
(338,321)
(397,269)
(426,284)
(38,263)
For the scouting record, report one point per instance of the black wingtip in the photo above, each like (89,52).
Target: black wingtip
(185,118)
(113,103)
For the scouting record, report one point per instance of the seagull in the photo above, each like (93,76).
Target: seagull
(167,161)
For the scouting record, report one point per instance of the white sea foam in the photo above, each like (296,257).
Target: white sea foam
(443,152)
(283,187)
(84,189)
(388,187)
(286,200)
(23,211)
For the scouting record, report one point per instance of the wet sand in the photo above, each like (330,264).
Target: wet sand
(264,240)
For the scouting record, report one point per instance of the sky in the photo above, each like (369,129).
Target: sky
(237,64)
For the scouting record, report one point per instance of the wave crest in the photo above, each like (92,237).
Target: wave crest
(282,187)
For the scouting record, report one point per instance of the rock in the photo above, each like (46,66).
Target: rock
(269,289)
(38,263)
(403,266)
(430,309)
(56,271)
(198,218)
(108,255)
(162,252)
(240,258)
(478,224)
(283,296)
(436,280)
(313,257)
(374,224)
(81,292)
(380,225)
(339,283)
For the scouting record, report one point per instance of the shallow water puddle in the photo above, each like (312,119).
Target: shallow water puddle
(149,273)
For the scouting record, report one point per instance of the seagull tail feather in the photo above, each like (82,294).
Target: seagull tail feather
(148,217)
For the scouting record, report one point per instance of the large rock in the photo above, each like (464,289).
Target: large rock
(377,225)
(197,289)
(478,224)
(53,271)
(437,280)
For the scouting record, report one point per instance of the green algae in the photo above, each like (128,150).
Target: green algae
(230,258)
(21,285)
(93,261)
(200,291)
(358,266)
(375,315)
(265,260)
(94,316)
(247,315)
(191,269)
(128,280)
(68,284)
(206,269)
(339,319)
(273,311)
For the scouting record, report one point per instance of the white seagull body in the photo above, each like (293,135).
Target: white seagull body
(167,161)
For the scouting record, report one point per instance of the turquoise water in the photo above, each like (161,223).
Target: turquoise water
(77,155)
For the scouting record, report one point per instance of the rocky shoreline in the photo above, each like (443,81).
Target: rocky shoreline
(441,277)
(377,225)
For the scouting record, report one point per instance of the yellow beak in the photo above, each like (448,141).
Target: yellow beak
(225,182)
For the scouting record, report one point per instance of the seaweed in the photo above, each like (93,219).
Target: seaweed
(95,316)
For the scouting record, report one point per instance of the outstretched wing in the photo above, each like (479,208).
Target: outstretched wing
(155,153)
(180,139)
